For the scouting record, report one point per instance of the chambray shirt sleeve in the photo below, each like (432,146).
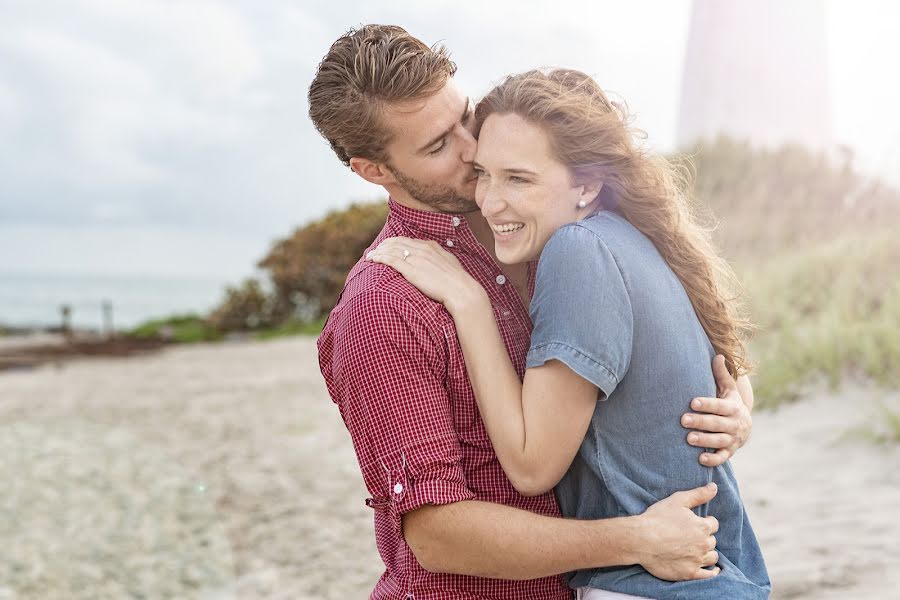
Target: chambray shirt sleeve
(581,310)
(386,364)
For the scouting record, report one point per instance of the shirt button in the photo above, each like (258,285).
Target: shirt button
(501,279)
(449,243)
(455,221)
(398,488)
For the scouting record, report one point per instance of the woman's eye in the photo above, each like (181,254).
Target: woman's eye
(480,173)
(517,179)
(439,148)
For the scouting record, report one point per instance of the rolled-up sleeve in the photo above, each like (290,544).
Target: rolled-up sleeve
(386,366)
(581,309)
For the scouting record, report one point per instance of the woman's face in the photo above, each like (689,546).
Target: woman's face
(523,191)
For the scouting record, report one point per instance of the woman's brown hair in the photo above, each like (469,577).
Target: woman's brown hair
(591,136)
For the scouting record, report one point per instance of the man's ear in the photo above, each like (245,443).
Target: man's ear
(371,171)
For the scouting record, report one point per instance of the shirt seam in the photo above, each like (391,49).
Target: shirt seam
(612,254)
(593,361)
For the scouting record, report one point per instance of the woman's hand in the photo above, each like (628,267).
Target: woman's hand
(436,272)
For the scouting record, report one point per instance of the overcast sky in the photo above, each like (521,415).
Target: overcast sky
(142,136)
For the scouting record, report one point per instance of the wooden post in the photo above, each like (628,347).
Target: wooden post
(65,312)
(108,330)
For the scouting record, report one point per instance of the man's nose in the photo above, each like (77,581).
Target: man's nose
(469,145)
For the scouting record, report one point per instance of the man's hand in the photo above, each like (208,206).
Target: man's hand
(722,423)
(679,543)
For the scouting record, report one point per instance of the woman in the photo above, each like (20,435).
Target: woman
(628,310)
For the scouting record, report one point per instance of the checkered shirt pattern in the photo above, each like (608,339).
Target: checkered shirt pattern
(393,365)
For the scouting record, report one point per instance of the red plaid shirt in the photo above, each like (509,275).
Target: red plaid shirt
(394,366)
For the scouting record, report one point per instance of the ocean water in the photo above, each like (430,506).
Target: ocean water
(35,299)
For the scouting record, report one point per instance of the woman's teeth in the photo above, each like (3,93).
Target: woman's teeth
(508,227)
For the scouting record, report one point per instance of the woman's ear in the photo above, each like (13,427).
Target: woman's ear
(589,193)
(371,171)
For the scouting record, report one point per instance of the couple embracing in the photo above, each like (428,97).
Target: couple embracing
(538,359)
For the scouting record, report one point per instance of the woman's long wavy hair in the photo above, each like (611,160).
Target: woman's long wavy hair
(591,136)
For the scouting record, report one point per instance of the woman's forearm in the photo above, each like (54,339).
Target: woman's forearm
(497,387)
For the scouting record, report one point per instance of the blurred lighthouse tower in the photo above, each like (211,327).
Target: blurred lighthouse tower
(756,70)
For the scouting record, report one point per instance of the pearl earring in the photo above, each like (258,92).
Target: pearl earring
(582,204)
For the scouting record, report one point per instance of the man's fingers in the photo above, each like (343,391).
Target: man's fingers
(725,407)
(724,380)
(697,496)
(706,573)
(711,543)
(710,440)
(719,457)
(711,558)
(711,423)
(713,524)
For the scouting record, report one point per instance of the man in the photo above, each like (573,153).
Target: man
(448,523)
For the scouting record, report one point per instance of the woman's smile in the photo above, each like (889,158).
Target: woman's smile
(506,229)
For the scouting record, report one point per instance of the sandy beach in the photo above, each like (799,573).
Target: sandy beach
(224,472)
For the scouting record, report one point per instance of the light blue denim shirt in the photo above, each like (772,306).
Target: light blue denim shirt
(607,305)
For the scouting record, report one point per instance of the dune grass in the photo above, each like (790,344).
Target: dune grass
(825,311)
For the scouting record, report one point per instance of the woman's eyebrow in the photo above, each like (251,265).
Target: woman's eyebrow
(519,171)
(511,170)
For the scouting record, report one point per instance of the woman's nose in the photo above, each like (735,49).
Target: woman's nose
(491,200)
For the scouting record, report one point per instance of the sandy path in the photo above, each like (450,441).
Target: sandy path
(823,500)
(224,471)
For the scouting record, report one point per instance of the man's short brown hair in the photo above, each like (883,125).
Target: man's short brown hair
(364,70)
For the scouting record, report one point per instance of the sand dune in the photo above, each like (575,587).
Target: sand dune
(224,472)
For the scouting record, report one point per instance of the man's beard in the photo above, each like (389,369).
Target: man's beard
(441,198)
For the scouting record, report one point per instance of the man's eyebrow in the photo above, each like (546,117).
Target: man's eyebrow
(437,138)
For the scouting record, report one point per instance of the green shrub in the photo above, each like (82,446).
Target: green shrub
(179,328)
(245,307)
(308,268)
(293,327)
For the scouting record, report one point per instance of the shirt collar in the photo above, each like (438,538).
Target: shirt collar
(446,229)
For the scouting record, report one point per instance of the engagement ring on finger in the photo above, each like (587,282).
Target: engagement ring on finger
(405,254)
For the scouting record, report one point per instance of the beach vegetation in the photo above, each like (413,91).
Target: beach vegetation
(187,328)
(292,327)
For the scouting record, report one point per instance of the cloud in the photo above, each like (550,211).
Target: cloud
(106,114)
(191,115)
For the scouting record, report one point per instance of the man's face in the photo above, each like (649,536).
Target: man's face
(432,151)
